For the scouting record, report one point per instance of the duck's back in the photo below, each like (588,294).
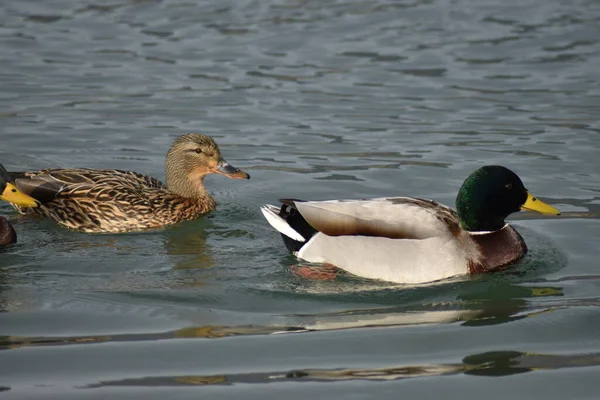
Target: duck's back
(76,176)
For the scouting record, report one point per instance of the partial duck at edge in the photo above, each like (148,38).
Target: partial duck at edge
(8,192)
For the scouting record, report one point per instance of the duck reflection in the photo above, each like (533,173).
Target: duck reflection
(475,305)
(512,305)
(497,363)
(504,303)
(187,244)
(196,332)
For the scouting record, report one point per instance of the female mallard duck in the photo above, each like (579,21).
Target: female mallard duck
(9,192)
(111,201)
(408,240)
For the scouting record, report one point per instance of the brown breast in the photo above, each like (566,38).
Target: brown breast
(7,233)
(499,249)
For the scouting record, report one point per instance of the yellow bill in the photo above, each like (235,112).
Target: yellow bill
(534,204)
(15,196)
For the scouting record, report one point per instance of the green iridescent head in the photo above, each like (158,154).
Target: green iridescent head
(492,193)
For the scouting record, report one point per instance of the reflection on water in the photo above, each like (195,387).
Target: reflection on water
(495,363)
(188,245)
(475,310)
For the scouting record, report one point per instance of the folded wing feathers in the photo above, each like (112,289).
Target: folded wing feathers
(396,218)
(40,189)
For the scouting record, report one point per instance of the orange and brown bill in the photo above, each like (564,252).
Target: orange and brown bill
(230,171)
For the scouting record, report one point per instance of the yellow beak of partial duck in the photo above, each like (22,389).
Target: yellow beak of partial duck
(534,204)
(15,196)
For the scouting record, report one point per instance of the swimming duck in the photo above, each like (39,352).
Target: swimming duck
(410,240)
(9,192)
(112,201)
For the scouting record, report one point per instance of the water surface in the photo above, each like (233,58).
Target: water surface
(316,100)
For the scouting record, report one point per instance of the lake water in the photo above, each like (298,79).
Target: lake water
(316,100)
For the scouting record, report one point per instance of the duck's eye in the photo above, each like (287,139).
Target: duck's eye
(508,186)
(14,190)
(198,150)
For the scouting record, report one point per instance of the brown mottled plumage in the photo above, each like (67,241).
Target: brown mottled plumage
(111,201)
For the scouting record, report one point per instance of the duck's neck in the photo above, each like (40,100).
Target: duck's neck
(474,222)
(191,187)
(483,233)
(476,211)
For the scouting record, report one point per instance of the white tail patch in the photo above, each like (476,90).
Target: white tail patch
(271,213)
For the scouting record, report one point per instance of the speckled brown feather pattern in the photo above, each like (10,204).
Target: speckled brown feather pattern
(112,201)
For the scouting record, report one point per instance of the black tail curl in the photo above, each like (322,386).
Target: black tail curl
(292,216)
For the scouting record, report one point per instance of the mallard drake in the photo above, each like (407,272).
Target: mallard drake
(9,192)
(112,201)
(410,240)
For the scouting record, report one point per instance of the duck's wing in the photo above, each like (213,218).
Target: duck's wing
(389,217)
(49,184)
(43,188)
(120,177)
